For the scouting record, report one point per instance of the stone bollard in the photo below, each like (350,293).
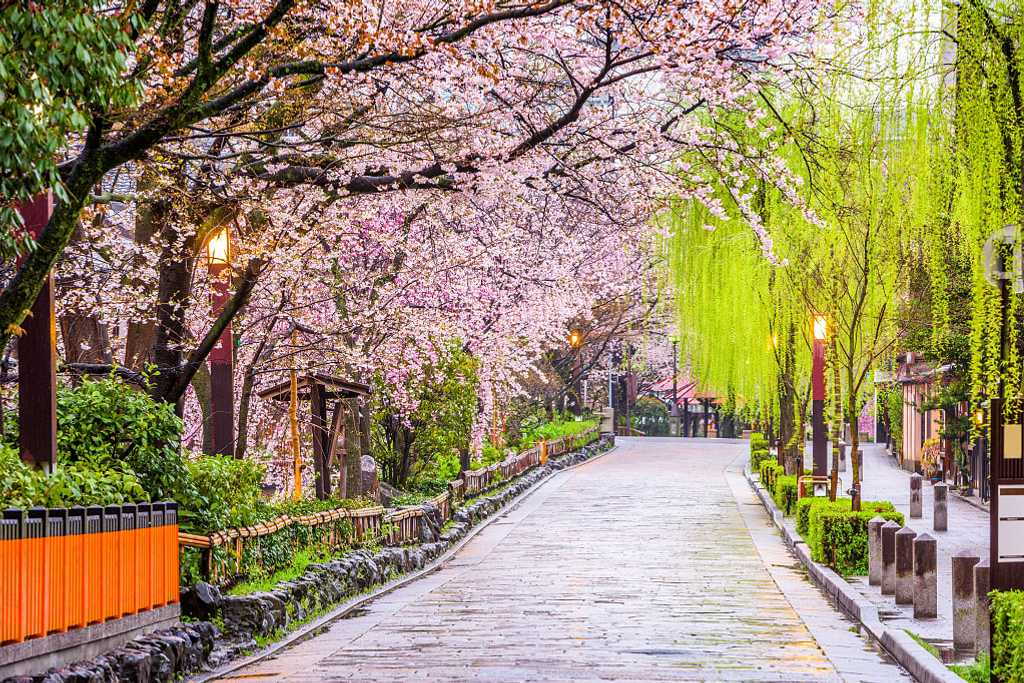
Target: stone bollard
(926,601)
(842,455)
(964,623)
(981,606)
(889,557)
(875,551)
(905,566)
(916,497)
(940,519)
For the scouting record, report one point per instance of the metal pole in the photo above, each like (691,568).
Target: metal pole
(819,447)
(222,390)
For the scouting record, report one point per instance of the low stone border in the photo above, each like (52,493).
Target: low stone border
(921,664)
(324,586)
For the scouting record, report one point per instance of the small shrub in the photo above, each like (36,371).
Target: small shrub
(805,505)
(757,457)
(978,672)
(838,537)
(758,442)
(785,494)
(1008,635)
(769,471)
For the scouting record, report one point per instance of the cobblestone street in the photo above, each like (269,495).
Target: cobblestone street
(653,563)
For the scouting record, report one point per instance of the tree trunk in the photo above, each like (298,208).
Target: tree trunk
(141,336)
(353,449)
(837,421)
(201,385)
(851,411)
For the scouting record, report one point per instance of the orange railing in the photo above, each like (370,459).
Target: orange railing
(65,568)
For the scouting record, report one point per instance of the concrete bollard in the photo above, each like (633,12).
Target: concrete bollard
(889,557)
(982,586)
(926,600)
(940,521)
(916,497)
(964,623)
(905,566)
(875,551)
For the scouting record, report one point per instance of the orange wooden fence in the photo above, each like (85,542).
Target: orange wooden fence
(65,568)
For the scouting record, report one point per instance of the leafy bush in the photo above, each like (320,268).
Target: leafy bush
(769,471)
(224,492)
(785,494)
(1008,635)
(758,442)
(105,425)
(805,505)
(978,672)
(556,429)
(757,457)
(838,537)
(24,486)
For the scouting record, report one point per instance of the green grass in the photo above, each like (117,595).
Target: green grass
(300,561)
(550,431)
(932,650)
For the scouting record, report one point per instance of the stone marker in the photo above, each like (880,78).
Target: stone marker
(926,586)
(916,497)
(981,606)
(842,455)
(940,521)
(889,557)
(875,551)
(905,566)
(964,623)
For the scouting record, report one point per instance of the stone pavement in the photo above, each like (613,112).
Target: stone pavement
(968,530)
(652,563)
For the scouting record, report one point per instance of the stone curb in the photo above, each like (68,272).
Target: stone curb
(920,663)
(356,602)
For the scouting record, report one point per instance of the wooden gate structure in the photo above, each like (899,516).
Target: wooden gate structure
(340,441)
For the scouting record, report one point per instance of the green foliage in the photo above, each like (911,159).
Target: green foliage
(785,493)
(770,470)
(650,416)
(1008,635)
(932,650)
(556,429)
(757,457)
(805,506)
(758,442)
(24,486)
(58,60)
(977,672)
(890,402)
(225,492)
(838,537)
(295,568)
(106,425)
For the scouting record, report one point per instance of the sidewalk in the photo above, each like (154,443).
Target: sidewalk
(968,530)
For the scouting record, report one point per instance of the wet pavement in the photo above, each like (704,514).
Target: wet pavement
(653,563)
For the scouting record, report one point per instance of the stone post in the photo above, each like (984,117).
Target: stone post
(925,577)
(889,557)
(981,607)
(916,497)
(940,520)
(905,566)
(964,623)
(875,551)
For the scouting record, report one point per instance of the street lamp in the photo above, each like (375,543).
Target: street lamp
(576,341)
(819,447)
(222,399)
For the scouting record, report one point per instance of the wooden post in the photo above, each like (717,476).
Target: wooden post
(293,422)
(37,358)
(318,413)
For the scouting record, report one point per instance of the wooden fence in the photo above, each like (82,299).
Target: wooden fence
(65,568)
(342,527)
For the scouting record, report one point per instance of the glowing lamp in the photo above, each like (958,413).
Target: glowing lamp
(575,339)
(820,327)
(979,417)
(218,247)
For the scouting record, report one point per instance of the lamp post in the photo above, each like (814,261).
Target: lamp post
(575,342)
(674,413)
(222,399)
(819,447)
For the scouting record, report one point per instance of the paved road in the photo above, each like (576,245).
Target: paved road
(653,563)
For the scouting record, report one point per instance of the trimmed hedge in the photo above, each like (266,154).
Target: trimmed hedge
(758,442)
(785,494)
(770,470)
(837,536)
(1008,635)
(757,457)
